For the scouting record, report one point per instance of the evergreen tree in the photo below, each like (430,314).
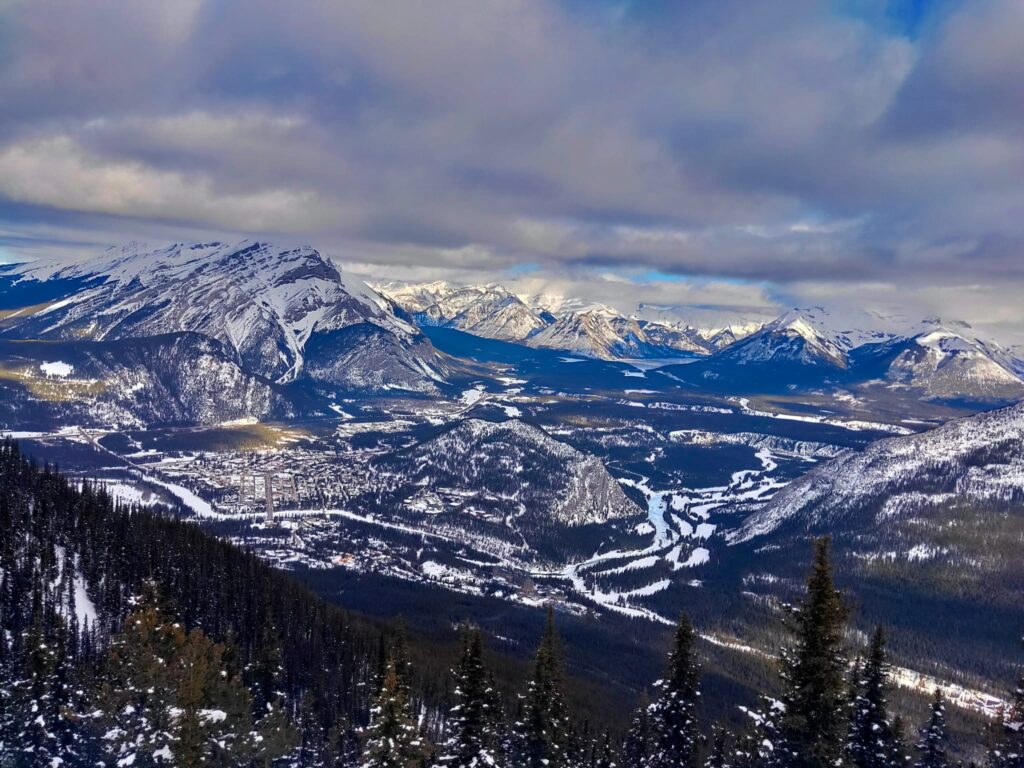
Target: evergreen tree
(604,756)
(813,724)
(474,720)
(872,741)
(932,744)
(637,746)
(673,716)
(545,720)
(393,739)
(1007,750)
(41,726)
(166,697)
(718,757)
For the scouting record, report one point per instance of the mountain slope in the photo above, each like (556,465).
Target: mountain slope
(277,312)
(510,480)
(977,460)
(130,383)
(926,531)
(604,334)
(791,338)
(942,363)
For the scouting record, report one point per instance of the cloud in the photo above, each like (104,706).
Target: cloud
(787,143)
(58,172)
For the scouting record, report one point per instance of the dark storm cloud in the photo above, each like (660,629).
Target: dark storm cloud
(787,142)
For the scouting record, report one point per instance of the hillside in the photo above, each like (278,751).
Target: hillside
(926,529)
(506,480)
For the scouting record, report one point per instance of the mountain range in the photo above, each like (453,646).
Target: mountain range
(119,337)
(809,347)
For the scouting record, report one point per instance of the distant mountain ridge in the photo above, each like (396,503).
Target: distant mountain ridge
(802,347)
(554,322)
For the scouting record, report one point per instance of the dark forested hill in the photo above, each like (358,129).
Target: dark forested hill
(81,574)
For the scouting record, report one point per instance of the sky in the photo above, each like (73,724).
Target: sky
(749,155)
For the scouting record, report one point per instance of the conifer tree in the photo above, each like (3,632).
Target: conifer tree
(545,720)
(637,745)
(673,716)
(604,756)
(813,725)
(872,742)
(166,697)
(392,739)
(474,721)
(1007,750)
(931,746)
(718,757)
(40,725)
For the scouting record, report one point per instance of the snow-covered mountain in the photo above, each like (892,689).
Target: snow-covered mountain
(604,334)
(977,460)
(941,362)
(507,481)
(520,464)
(547,322)
(708,322)
(925,530)
(179,378)
(282,314)
(792,338)
(814,348)
(488,310)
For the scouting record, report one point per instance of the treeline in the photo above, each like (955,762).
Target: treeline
(132,639)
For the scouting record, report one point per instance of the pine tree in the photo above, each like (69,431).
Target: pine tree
(1007,749)
(872,741)
(718,757)
(605,753)
(39,728)
(673,716)
(545,720)
(813,725)
(932,744)
(393,739)
(637,746)
(474,721)
(166,697)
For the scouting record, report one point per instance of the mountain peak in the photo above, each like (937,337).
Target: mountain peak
(266,304)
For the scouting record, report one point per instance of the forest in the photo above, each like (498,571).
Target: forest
(131,638)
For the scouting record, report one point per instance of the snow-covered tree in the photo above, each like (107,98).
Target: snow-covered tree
(604,753)
(718,756)
(813,723)
(393,739)
(545,725)
(473,728)
(872,741)
(931,746)
(167,698)
(638,741)
(673,715)
(40,708)
(1007,749)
